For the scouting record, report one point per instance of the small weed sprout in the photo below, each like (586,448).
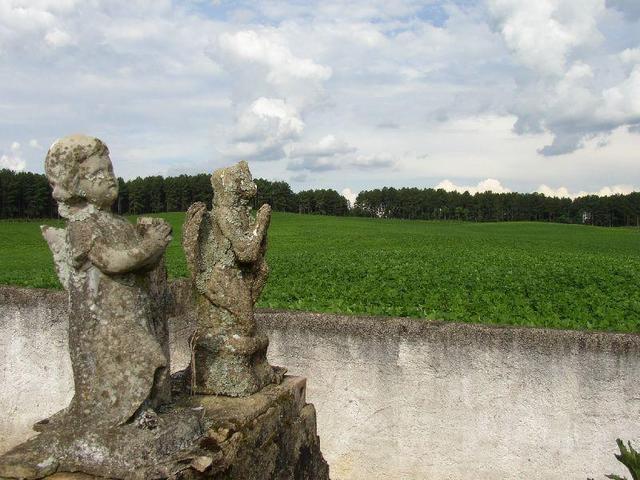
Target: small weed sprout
(630,459)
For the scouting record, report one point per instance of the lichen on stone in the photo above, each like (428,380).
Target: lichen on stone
(225,250)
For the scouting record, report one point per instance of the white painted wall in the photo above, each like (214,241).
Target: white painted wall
(396,398)
(35,369)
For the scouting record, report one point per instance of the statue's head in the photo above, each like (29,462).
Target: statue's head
(233,185)
(80,171)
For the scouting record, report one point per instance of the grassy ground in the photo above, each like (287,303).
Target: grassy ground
(534,274)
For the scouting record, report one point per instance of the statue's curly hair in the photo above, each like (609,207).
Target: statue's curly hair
(64,160)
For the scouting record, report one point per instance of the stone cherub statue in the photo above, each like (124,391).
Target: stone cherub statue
(225,251)
(118,337)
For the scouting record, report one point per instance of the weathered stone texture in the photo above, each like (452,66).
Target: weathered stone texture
(118,338)
(137,450)
(266,436)
(225,251)
(117,332)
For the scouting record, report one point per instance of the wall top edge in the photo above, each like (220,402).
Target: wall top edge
(381,328)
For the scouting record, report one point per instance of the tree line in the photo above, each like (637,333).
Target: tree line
(28,195)
(431,204)
(25,195)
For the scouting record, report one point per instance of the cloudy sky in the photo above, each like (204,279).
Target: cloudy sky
(514,95)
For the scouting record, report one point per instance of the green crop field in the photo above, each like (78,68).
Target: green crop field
(535,274)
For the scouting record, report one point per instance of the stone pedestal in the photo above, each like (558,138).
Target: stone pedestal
(268,435)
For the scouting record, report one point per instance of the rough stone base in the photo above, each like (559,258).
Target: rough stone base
(235,369)
(268,435)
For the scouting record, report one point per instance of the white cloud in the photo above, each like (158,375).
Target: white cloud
(349,195)
(369,162)
(37,20)
(563,192)
(316,164)
(630,55)
(12,159)
(269,118)
(576,111)
(262,62)
(330,10)
(326,147)
(265,49)
(488,185)
(574,86)
(58,38)
(542,33)
(264,128)
(495,186)
(560,192)
(331,153)
(616,190)
(621,103)
(16,17)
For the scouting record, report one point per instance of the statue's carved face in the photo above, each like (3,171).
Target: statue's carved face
(244,183)
(79,169)
(233,185)
(97,180)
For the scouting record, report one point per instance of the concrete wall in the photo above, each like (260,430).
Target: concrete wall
(396,398)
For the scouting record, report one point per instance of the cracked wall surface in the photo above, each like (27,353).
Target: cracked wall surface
(396,398)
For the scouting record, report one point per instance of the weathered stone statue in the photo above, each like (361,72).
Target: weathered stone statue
(118,342)
(225,250)
(118,337)
(128,418)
